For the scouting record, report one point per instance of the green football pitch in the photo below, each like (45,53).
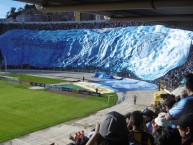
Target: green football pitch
(23,110)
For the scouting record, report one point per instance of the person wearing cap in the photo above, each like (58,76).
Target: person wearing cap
(185,105)
(148,116)
(111,131)
(137,135)
(185,128)
(160,121)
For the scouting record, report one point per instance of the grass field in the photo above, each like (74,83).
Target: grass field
(36,79)
(23,111)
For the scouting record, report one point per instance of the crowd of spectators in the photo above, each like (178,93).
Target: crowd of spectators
(67,25)
(170,122)
(174,78)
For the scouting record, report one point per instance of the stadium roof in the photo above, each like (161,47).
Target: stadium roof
(172,13)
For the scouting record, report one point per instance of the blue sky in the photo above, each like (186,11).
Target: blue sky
(6,5)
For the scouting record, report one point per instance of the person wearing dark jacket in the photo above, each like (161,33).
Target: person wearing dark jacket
(185,128)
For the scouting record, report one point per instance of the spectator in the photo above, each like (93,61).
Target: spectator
(163,107)
(169,104)
(160,121)
(137,134)
(158,107)
(185,128)
(79,139)
(184,94)
(129,126)
(185,105)
(111,131)
(127,117)
(178,98)
(167,136)
(148,116)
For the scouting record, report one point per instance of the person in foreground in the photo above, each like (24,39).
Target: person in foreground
(111,131)
(185,128)
(166,136)
(185,105)
(148,116)
(160,121)
(137,136)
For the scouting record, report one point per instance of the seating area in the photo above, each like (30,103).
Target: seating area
(135,117)
(174,78)
(164,124)
(67,25)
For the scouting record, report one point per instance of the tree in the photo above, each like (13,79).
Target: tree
(20,9)
(7,15)
(12,11)
(26,6)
